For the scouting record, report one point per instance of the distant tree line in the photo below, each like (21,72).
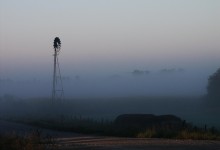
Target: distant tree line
(213,88)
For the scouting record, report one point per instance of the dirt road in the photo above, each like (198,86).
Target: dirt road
(112,143)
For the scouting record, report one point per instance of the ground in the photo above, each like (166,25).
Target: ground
(69,141)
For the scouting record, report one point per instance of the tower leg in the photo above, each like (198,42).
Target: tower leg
(54,76)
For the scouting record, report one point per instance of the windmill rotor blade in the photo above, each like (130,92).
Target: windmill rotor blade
(56,43)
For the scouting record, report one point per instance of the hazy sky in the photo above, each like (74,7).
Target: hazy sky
(108,35)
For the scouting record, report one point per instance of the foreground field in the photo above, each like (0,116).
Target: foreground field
(109,143)
(69,141)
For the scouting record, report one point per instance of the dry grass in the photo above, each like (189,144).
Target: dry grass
(198,135)
(31,141)
(182,134)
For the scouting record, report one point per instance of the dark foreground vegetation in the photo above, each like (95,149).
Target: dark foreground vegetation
(98,116)
(108,128)
(32,140)
(170,130)
(35,140)
(83,116)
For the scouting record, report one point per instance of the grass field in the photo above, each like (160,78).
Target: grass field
(36,139)
(96,116)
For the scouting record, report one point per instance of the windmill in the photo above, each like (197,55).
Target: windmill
(57,89)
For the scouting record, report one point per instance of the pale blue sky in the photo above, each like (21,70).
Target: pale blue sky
(103,35)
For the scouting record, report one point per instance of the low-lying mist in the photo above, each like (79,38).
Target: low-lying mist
(164,82)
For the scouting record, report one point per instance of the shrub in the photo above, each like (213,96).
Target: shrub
(149,133)
(198,135)
(31,141)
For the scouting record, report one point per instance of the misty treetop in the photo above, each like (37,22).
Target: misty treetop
(213,87)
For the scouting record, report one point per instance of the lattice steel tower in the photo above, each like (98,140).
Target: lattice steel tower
(57,89)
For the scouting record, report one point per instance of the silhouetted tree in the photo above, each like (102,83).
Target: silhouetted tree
(213,87)
(140,72)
